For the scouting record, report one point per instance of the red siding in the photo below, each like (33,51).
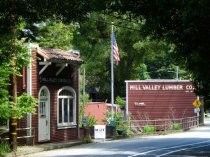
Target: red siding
(164,99)
(96,109)
(56,134)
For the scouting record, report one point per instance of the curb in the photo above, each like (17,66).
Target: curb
(26,150)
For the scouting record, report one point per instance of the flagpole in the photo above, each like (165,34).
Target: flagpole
(112,75)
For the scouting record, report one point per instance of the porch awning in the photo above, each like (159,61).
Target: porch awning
(60,56)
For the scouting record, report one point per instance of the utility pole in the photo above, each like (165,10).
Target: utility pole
(177,72)
(83,85)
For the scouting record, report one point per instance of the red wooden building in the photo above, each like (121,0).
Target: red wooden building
(156,99)
(98,110)
(52,77)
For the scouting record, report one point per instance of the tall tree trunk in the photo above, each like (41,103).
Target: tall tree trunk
(13,121)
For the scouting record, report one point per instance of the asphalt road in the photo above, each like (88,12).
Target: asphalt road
(195,142)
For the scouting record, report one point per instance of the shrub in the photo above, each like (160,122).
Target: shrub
(122,127)
(149,129)
(120,102)
(4,148)
(91,121)
(176,126)
(86,139)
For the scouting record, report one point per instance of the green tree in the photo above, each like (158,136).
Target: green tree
(120,101)
(183,23)
(158,62)
(141,72)
(140,57)
(95,45)
(93,40)
(14,16)
(55,34)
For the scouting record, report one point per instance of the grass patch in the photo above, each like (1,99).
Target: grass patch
(176,126)
(4,147)
(149,129)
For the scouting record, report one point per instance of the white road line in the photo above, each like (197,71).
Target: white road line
(192,144)
(181,150)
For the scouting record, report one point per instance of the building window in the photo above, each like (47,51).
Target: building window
(42,104)
(66,107)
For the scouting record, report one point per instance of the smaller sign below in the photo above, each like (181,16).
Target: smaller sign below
(84,120)
(196,110)
(99,131)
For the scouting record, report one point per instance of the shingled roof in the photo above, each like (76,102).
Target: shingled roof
(60,56)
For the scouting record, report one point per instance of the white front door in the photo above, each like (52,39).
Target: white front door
(44,115)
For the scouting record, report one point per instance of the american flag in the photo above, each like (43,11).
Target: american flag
(115,51)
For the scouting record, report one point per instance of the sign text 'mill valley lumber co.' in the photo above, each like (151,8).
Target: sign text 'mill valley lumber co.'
(160,87)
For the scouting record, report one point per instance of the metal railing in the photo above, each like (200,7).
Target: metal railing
(23,133)
(26,133)
(161,125)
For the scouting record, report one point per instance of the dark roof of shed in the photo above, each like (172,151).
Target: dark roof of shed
(60,56)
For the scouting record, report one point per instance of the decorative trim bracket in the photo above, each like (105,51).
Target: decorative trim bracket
(62,66)
(46,64)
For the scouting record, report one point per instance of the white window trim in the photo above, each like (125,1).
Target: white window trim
(70,124)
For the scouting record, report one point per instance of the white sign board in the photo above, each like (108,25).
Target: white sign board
(100,131)
(196,110)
